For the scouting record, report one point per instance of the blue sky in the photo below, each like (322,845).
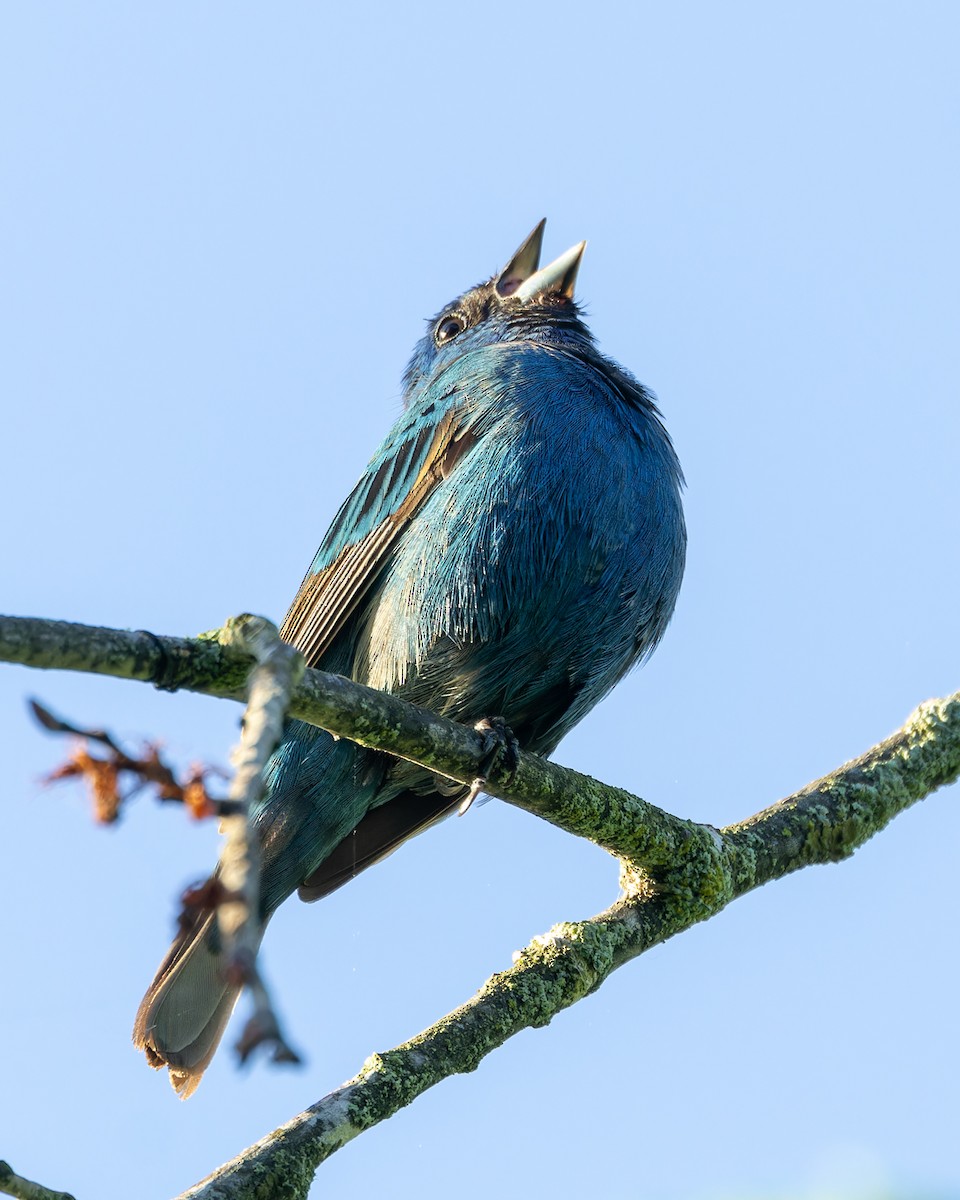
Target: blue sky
(220,229)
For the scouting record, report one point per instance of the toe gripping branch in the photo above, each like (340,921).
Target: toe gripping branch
(501,750)
(165,674)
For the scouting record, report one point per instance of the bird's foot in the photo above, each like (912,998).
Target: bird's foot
(500,749)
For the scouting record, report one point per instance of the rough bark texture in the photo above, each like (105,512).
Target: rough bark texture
(610,817)
(674,873)
(12,1184)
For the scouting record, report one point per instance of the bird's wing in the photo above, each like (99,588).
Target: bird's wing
(416,456)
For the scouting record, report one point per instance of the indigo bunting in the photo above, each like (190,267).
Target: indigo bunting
(514,547)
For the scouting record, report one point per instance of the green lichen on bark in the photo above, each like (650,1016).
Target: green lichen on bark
(674,872)
(12,1184)
(627,825)
(830,818)
(196,664)
(283,1165)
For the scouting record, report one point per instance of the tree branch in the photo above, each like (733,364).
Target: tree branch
(12,1184)
(612,818)
(822,823)
(272,681)
(674,873)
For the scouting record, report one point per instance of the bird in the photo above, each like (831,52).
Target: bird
(515,546)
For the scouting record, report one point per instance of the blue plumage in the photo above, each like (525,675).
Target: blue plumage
(514,547)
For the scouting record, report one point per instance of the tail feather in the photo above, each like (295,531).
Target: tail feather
(182,1017)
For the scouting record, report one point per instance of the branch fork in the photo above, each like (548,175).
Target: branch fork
(674,873)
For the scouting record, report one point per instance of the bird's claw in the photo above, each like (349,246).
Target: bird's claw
(501,749)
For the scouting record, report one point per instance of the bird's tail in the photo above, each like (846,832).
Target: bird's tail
(186,1009)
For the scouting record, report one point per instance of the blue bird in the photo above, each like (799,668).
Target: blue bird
(515,546)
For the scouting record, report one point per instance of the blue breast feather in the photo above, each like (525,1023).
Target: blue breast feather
(532,578)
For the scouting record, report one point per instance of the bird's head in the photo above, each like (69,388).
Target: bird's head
(523,302)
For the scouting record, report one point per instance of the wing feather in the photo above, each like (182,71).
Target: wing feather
(367,527)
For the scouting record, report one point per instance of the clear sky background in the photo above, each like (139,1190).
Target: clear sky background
(221,228)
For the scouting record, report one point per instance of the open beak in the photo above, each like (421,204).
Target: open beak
(523,264)
(558,277)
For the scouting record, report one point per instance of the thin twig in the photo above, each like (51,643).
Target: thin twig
(272,680)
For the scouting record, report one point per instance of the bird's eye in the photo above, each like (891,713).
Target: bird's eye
(448,329)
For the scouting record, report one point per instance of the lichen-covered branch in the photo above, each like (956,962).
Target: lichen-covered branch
(674,873)
(12,1184)
(553,972)
(822,823)
(612,818)
(829,818)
